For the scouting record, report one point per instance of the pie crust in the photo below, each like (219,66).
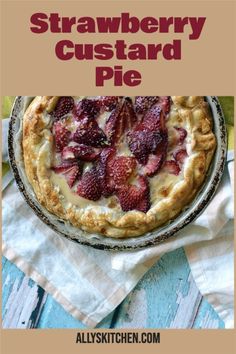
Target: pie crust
(169,193)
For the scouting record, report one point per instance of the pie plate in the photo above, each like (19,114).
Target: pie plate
(189,214)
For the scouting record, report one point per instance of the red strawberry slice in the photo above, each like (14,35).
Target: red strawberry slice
(89,186)
(86,108)
(143,103)
(80,151)
(144,205)
(148,141)
(108,102)
(130,115)
(182,134)
(72,175)
(155,161)
(89,133)
(172,167)
(115,126)
(165,103)
(154,164)
(133,197)
(61,135)
(180,155)
(143,143)
(64,105)
(129,196)
(154,119)
(71,171)
(64,166)
(102,167)
(122,118)
(121,168)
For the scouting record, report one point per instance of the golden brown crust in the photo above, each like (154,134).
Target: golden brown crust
(110,220)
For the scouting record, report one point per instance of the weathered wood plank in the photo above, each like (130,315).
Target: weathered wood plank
(26,305)
(207,317)
(22,307)
(4,260)
(188,305)
(166,297)
(10,273)
(54,316)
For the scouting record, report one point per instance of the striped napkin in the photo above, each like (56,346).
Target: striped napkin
(91,283)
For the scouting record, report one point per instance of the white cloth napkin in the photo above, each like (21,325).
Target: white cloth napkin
(212,262)
(90,283)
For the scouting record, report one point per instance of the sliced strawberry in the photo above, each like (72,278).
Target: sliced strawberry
(86,108)
(64,166)
(89,186)
(71,171)
(143,103)
(165,103)
(115,124)
(129,196)
(154,164)
(129,115)
(154,119)
(142,143)
(80,151)
(145,204)
(122,118)
(148,140)
(134,197)
(64,105)
(102,166)
(182,134)
(180,155)
(121,169)
(72,175)
(89,133)
(108,102)
(61,135)
(171,167)
(156,160)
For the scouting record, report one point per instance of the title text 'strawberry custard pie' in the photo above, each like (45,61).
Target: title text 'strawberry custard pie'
(117,166)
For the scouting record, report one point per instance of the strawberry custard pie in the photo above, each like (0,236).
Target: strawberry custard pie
(117,166)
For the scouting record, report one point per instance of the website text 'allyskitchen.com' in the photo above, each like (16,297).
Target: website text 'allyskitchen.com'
(117,337)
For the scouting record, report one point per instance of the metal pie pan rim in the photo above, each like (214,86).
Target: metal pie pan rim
(156,236)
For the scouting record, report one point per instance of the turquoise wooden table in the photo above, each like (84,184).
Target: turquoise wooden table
(166,297)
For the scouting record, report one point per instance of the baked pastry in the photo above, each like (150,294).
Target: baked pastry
(117,166)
